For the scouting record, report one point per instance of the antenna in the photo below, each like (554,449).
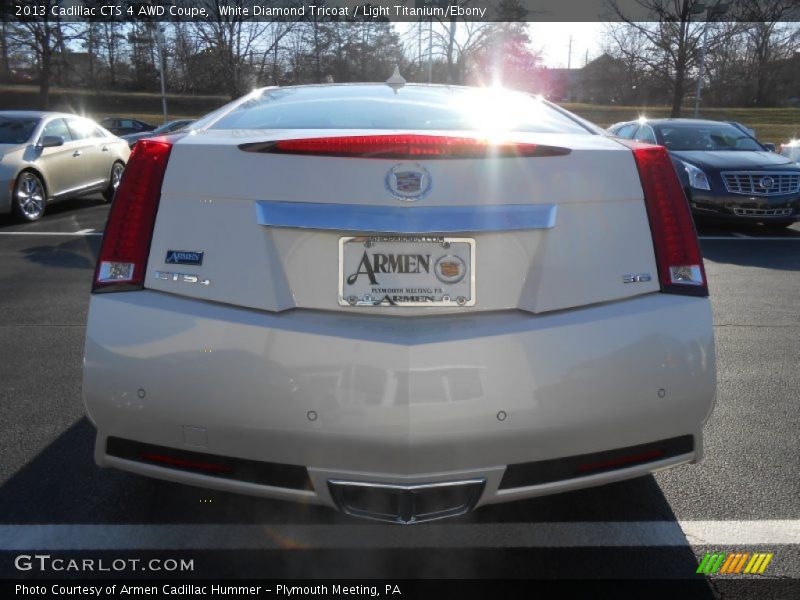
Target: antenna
(396,81)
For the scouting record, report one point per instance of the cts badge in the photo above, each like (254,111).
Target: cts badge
(408,181)
(636,277)
(181,277)
(184,257)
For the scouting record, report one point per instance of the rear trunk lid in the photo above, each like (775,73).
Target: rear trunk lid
(279,231)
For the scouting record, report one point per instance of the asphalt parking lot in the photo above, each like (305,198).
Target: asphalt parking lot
(745,496)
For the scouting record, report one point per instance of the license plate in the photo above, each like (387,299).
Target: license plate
(406,271)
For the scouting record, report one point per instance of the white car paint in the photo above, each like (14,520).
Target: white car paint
(557,358)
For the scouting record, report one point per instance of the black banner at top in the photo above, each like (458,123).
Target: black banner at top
(384,10)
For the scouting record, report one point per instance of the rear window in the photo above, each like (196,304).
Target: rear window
(411,107)
(17,130)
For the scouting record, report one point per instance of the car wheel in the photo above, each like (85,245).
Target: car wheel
(113,183)
(29,197)
(777,224)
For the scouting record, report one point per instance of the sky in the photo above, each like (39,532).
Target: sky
(553,40)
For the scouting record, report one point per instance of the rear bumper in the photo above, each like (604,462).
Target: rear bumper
(393,400)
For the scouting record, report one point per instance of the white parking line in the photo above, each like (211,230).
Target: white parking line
(484,535)
(83,232)
(740,237)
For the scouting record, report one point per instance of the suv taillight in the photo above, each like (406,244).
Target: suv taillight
(680,263)
(126,242)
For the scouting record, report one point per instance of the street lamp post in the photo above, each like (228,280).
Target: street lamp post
(162,63)
(711,11)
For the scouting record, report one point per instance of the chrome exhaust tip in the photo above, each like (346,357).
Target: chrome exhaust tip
(406,504)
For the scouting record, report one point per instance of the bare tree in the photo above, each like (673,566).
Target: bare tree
(235,41)
(769,40)
(109,45)
(671,43)
(5,51)
(43,37)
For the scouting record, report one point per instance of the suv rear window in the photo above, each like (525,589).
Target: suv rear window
(411,107)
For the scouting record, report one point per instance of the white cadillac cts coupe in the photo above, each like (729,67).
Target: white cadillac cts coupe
(402,301)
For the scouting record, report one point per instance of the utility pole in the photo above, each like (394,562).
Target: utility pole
(430,50)
(718,9)
(569,57)
(162,62)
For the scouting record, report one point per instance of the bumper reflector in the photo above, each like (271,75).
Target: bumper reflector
(252,471)
(571,467)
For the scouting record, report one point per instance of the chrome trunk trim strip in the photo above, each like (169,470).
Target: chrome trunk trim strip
(406,219)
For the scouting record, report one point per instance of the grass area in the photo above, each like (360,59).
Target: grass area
(97,104)
(771,124)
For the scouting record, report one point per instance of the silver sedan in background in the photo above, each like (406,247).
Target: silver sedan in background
(49,156)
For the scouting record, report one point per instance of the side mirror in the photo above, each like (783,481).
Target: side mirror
(769,146)
(50,141)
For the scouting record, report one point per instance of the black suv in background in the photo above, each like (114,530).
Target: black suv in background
(123,126)
(726,173)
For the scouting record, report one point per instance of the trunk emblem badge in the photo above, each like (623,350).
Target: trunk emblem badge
(408,181)
(183,257)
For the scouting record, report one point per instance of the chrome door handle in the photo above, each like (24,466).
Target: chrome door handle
(76,153)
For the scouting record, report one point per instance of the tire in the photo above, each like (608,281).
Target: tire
(30,198)
(113,183)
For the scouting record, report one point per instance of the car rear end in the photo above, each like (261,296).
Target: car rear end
(402,323)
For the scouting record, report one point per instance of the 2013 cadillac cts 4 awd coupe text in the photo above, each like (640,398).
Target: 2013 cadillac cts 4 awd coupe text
(401,301)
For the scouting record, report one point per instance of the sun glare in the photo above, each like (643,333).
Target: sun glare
(495,111)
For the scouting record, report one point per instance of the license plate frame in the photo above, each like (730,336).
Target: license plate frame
(446,258)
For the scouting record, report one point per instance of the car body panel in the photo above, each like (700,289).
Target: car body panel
(600,228)
(238,345)
(733,161)
(404,398)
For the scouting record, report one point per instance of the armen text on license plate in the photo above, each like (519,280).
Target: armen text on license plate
(406,271)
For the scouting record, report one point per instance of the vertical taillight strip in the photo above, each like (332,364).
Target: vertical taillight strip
(129,231)
(677,250)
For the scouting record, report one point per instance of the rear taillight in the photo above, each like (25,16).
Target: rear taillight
(126,242)
(403,146)
(680,264)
